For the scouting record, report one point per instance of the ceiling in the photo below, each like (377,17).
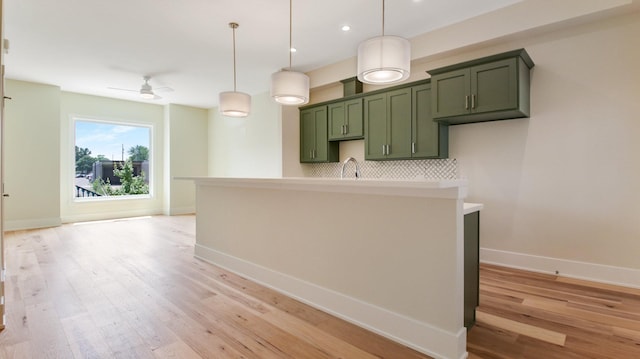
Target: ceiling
(88,46)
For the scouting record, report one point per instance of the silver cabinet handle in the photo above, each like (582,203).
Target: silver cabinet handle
(383,150)
(387,150)
(413,147)
(346,129)
(466,102)
(473,101)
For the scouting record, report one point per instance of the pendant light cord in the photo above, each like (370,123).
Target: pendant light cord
(382,17)
(234,26)
(290,31)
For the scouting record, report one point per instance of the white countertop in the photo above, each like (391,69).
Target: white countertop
(472,207)
(418,187)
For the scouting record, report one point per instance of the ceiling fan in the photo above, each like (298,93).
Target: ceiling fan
(146,91)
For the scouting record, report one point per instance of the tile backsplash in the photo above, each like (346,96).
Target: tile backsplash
(432,169)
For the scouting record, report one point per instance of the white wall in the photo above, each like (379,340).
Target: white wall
(186,149)
(247,147)
(31,154)
(560,188)
(564,183)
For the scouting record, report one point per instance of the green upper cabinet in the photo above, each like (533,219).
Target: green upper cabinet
(429,139)
(314,144)
(396,123)
(399,125)
(388,125)
(487,89)
(345,120)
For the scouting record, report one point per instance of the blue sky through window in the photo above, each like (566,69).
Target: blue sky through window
(109,139)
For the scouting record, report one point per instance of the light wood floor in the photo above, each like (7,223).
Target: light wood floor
(132,289)
(532,315)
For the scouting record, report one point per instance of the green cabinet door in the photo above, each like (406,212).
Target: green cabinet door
(354,123)
(307,135)
(399,124)
(494,86)
(450,95)
(471,267)
(387,119)
(375,126)
(314,143)
(337,117)
(429,139)
(345,120)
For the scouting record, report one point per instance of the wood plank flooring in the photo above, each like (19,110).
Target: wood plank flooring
(532,315)
(132,289)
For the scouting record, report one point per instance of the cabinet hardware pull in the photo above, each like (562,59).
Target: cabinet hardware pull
(7,98)
(342,130)
(466,102)
(387,150)
(413,147)
(383,150)
(346,129)
(473,101)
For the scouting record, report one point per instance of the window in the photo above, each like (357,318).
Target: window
(111,159)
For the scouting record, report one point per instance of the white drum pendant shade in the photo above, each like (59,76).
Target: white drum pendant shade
(234,104)
(384,60)
(290,87)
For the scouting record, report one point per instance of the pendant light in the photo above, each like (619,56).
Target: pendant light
(234,103)
(290,87)
(384,59)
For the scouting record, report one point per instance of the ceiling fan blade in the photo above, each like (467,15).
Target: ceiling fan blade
(163,89)
(121,89)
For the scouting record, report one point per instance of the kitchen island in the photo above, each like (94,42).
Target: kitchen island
(387,255)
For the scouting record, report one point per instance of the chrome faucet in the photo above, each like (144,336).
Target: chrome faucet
(344,164)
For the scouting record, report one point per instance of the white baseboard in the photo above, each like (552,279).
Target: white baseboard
(15,225)
(627,277)
(420,336)
(110,215)
(176,211)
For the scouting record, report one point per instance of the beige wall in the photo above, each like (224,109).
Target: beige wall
(247,147)
(562,184)
(39,155)
(186,150)
(32,163)
(75,105)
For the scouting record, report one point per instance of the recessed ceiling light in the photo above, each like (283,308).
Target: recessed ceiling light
(346,28)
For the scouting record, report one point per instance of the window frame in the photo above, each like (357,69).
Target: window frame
(74,120)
